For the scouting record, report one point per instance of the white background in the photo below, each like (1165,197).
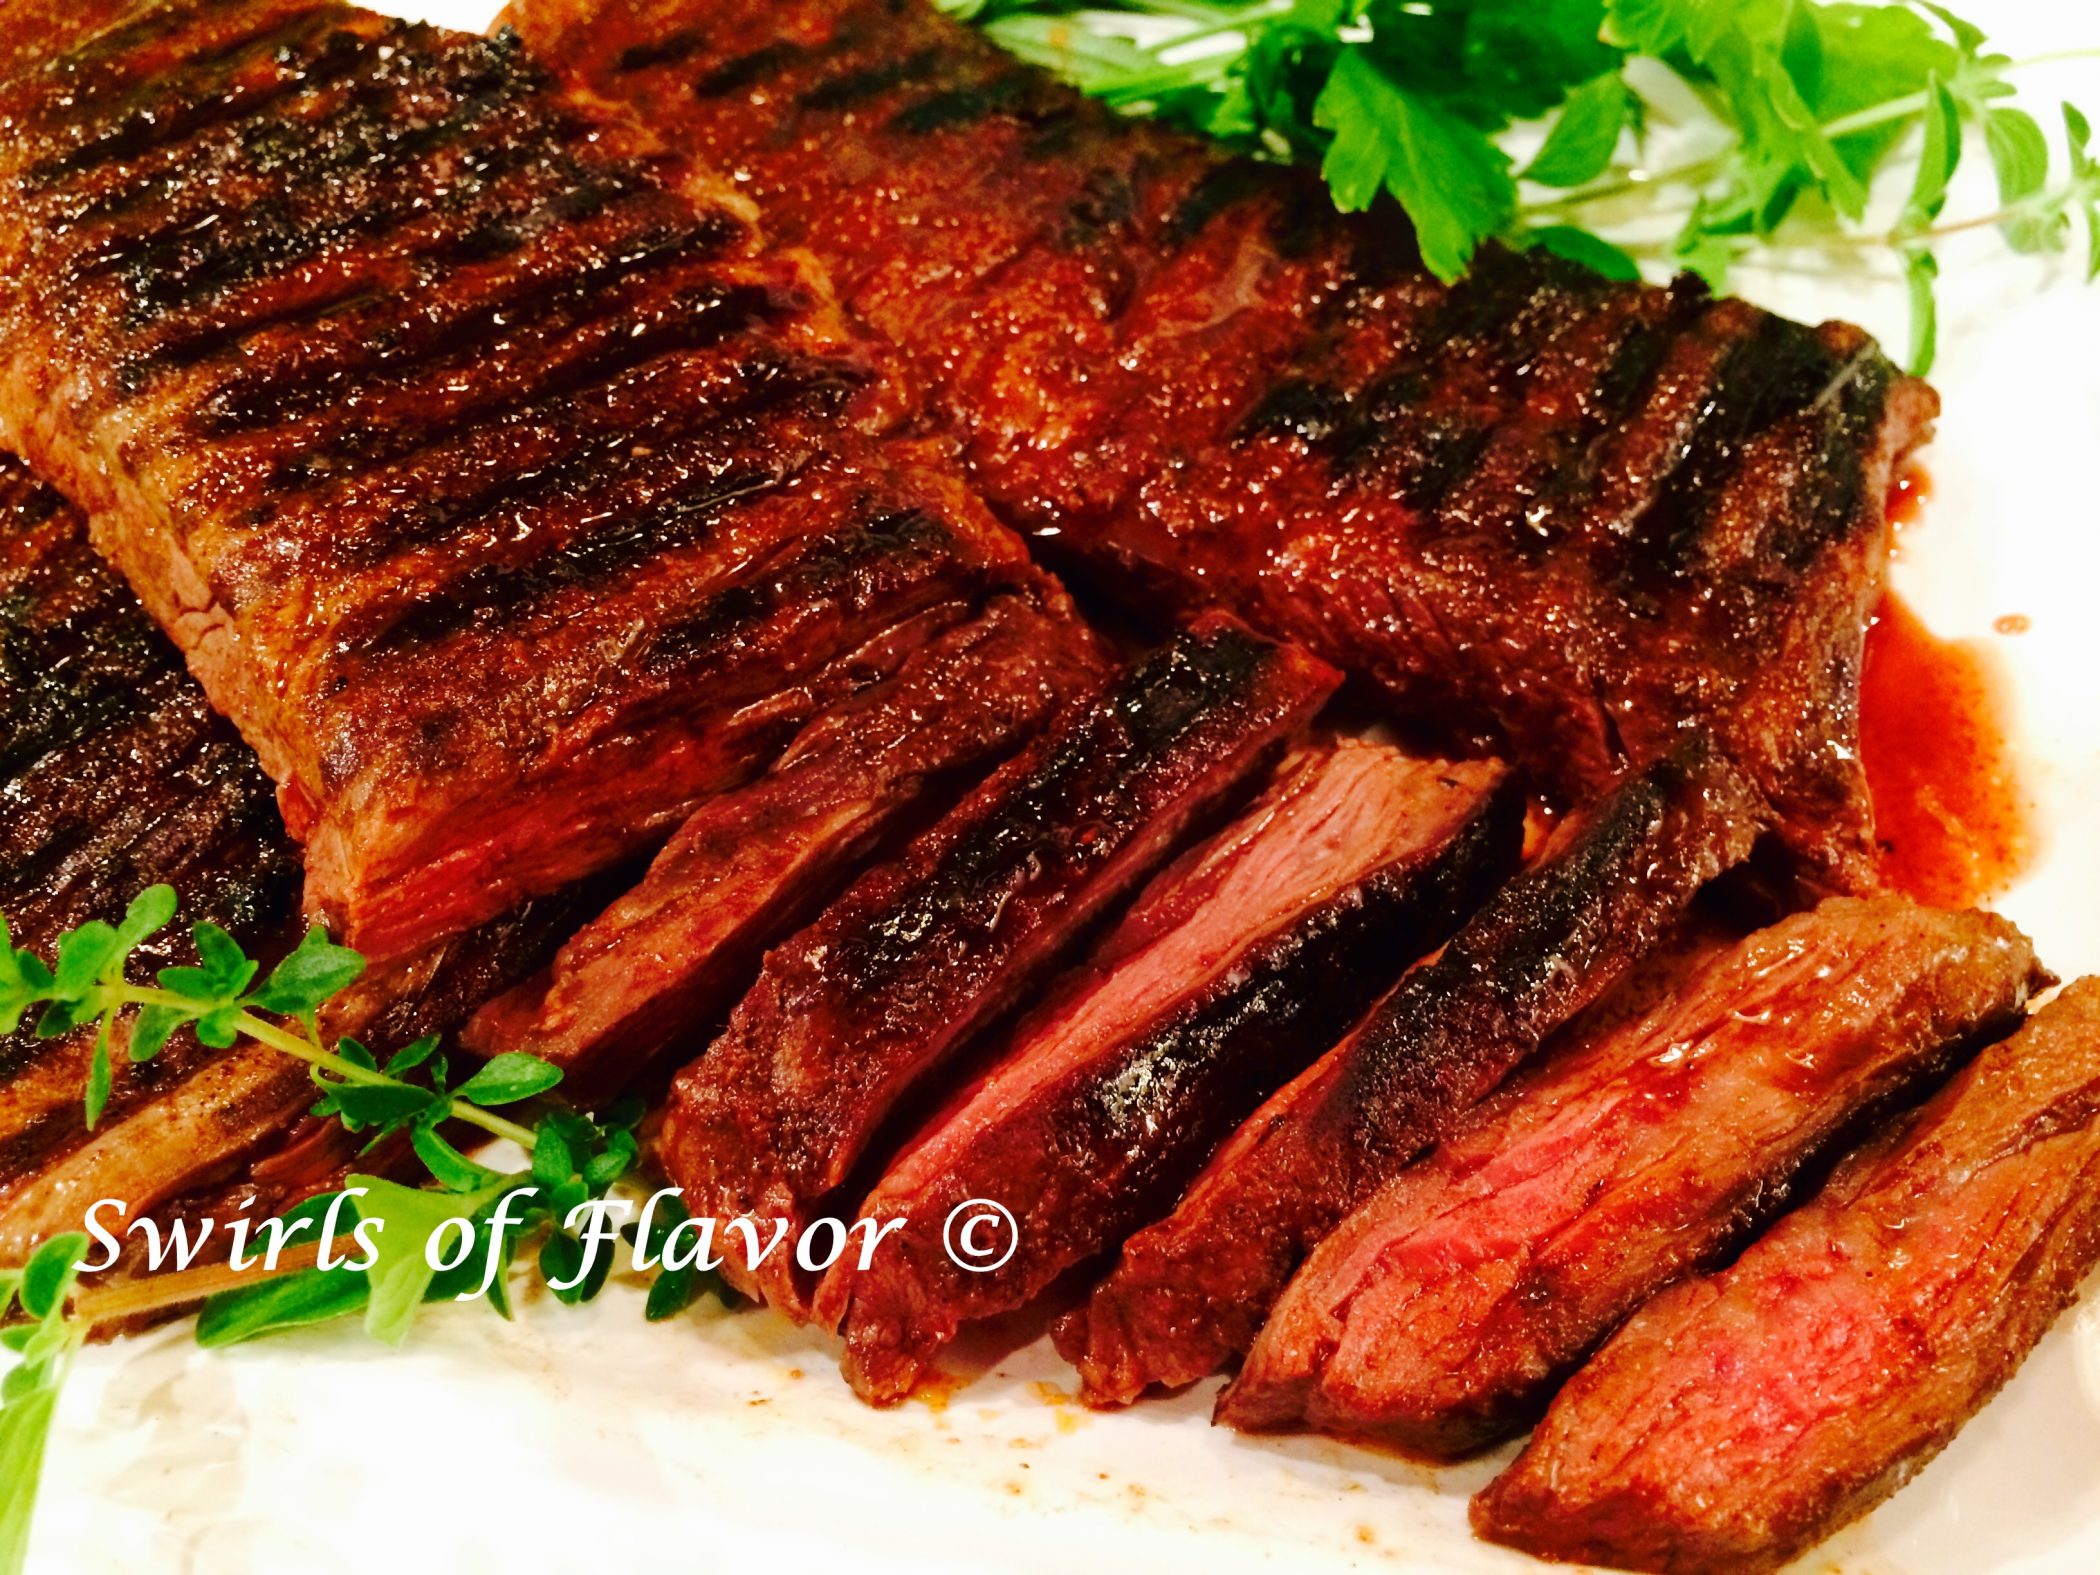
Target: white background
(583,1438)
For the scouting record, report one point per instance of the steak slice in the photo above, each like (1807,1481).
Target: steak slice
(1741,1418)
(1192,1291)
(670,957)
(858,1010)
(1236,965)
(501,488)
(1576,515)
(1441,1315)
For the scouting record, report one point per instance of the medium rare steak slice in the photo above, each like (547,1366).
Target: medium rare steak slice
(1191,1292)
(851,1016)
(669,958)
(1739,1419)
(1441,1314)
(1237,965)
(501,488)
(1575,514)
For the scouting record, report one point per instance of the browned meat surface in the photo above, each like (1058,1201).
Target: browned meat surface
(853,1013)
(1570,514)
(665,962)
(1739,1419)
(1191,1292)
(115,776)
(1440,1315)
(1237,965)
(496,483)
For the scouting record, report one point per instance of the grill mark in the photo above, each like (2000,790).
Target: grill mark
(857,86)
(552,390)
(671,51)
(1773,372)
(748,71)
(806,584)
(496,591)
(1221,188)
(1841,493)
(189,109)
(952,109)
(601,462)
(576,302)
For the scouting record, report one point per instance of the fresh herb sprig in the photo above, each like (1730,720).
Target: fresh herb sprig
(1415,101)
(572,1159)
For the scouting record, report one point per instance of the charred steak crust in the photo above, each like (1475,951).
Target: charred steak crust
(499,486)
(663,964)
(1191,1292)
(1440,1316)
(1573,514)
(1235,967)
(1739,1419)
(855,1012)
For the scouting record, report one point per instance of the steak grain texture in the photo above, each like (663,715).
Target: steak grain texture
(1190,1292)
(1739,1419)
(1441,1315)
(851,1015)
(1575,515)
(494,479)
(1237,964)
(658,969)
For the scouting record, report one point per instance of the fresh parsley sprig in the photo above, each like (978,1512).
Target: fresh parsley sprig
(1415,101)
(43,1340)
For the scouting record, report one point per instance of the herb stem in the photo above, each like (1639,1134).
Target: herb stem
(102,1305)
(264,1032)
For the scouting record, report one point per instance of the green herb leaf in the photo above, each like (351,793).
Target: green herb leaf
(1453,181)
(400,1277)
(2020,156)
(49,1274)
(314,973)
(99,1078)
(150,1030)
(671,1293)
(284,1301)
(453,1170)
(1580,246)
(150,912)
(508,1078)
(1583,139)
(410,1056)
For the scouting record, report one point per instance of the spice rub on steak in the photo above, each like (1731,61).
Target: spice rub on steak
(1439,1317)
(665,961)
(1575,515)
(500,487)
(850,1016)
(1739,1419)
(1190,1293)
(1237,965)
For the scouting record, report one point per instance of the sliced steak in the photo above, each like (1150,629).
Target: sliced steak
(1191,1292)
(1739,1419)
(1441,1315)
(1575,514)
(500,487)
(1234,968)
(669,958)
(853,1013)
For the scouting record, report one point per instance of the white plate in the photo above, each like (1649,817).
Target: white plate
(585,1438)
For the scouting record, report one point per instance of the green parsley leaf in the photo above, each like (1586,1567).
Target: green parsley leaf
(1580,246)
(1580,146)
(1453,181)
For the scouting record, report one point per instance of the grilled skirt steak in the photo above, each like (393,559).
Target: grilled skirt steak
(1191,1292)
(496,483)
(851,1015)
(669,958)
(1739,1419)
(116,776)
(1236,966)
(1575,514)
(1440,1315)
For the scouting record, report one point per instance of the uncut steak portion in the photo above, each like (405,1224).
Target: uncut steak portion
(495,482)
(669,958)
(1439,1317)
(1739,1419)
(1571,514)
(856,1012)
(1235,967)
(1192,1291)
